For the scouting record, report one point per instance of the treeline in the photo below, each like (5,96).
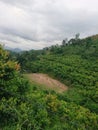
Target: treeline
(86,48)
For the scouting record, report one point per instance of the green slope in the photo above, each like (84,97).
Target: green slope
(74,64)
(25,107)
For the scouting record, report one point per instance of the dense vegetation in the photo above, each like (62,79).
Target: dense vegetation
(75,63)
(25,107)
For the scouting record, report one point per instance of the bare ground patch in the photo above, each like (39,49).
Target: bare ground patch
(47,81)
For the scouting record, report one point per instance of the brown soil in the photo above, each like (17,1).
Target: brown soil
(47,81)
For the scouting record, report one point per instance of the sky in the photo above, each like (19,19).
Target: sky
(35,24)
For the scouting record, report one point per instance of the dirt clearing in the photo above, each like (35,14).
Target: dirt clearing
(47,81)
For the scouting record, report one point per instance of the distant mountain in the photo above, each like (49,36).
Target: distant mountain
(13,49)
(17,50)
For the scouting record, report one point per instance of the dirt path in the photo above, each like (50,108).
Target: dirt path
(47,81)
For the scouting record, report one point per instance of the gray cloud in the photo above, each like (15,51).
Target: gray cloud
(34,24)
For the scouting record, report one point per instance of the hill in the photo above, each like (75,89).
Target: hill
(74,64)
(23,106)
(17,50)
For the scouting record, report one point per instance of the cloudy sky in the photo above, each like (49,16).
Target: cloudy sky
(34,24)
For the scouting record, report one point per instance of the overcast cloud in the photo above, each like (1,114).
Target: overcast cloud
(34,24)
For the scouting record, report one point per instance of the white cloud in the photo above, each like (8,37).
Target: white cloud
(38,23)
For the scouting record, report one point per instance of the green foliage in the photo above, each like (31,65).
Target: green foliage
(41,111)
(11,83)
(25,107)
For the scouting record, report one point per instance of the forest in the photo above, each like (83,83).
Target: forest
(25,106)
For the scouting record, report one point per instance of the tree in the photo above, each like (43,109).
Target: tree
(11,82)
(65,42)
(77,36)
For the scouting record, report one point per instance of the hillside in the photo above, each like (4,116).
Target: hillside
(75,64)
(26,107)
